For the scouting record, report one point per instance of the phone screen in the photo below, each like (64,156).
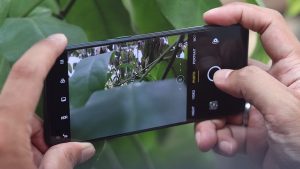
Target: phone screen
(129,85)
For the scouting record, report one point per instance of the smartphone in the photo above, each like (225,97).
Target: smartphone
(116,87)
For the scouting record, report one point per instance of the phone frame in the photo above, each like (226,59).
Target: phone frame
(48,107)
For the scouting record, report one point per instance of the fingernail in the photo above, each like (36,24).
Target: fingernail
(225,147)
(221,75)
(210,11)
(59,37)
(87,152)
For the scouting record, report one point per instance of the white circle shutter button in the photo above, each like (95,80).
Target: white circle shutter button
(211,71)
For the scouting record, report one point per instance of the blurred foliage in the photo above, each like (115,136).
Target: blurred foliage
(256,2)
(259,52)
(25,22)
(294,8)
(22,23)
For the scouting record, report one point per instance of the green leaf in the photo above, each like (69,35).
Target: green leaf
(19,34)
(90,75)
(26,7)
(256,2)
(183,13)
(4,70)
(294,8)
(146,16)
(177,150)
(101,19)
(41,11)
(94,162)
(52,5)
(121,153)
(23,8)
(4,8)
(157,72)
(260,53)
(129,108)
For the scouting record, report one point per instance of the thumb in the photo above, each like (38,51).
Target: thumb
(67,155)
(267,94)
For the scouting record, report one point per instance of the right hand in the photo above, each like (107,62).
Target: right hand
(272,137)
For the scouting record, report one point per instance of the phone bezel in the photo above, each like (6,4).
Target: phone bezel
(47,115)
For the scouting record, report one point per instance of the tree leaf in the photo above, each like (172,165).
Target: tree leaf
(294,8)
(179,13)
(177,150)
(116,155)
(256,2)
(52,5)
(19,34)
(4,8)
(4,70)
(23,8)
(260,53)
(94,162)
(41,11)
(137,106)
(157,72)
(90,75)
(139,157)
(101,19)
(146,16)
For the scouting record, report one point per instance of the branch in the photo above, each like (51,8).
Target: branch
(63,13)
(181,38)
(157,61)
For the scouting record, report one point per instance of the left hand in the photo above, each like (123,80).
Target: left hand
(21,143)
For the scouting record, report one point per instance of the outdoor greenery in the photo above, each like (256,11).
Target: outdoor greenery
(24,22)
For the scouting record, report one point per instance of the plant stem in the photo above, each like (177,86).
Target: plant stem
(63,13)
(181,38)
(157,61)
(32,8)
(149,67)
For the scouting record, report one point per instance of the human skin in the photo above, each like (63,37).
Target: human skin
(272,137)
(21,143)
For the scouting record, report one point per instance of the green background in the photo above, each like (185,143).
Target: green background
(24,22)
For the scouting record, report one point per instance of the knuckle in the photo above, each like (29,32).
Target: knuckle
(48,47)
(247,72)
(71,157)
(23,70)
(274,13)
(66,153)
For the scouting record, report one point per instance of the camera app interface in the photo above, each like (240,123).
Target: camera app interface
(121,88)
(126,87)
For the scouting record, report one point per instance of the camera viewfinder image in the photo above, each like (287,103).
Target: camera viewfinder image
(127,87)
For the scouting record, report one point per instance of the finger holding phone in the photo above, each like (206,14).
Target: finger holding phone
(22,142)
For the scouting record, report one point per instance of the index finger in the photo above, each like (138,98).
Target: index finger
(24,84)
(278,41)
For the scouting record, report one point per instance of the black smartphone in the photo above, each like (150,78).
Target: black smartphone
(127,85)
